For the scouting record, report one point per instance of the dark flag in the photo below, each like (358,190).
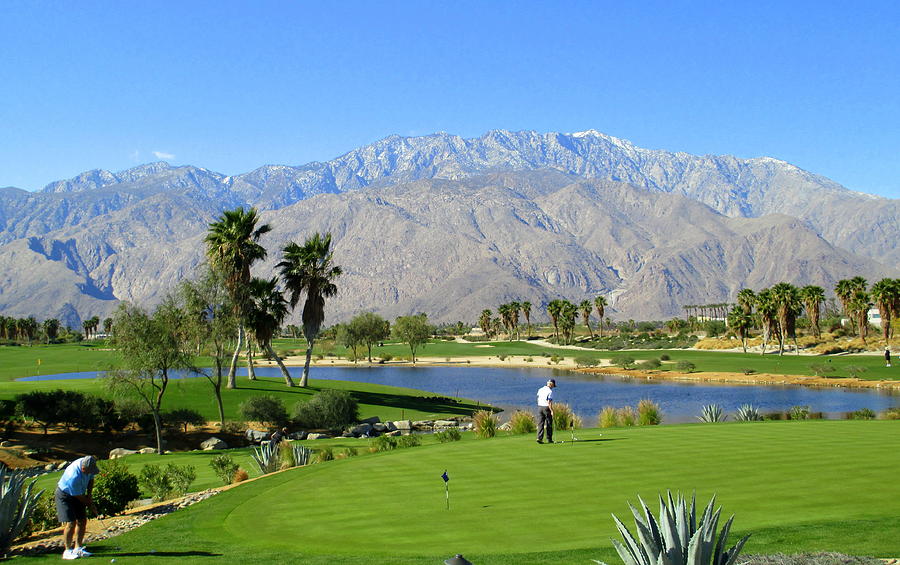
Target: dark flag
(445,477)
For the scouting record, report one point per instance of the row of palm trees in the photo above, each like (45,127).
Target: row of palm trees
(260,306)
(562,312)
(715,311)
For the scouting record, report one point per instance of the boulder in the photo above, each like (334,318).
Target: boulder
(372,420)
(256,436)
(361,429)
(379,427)
(120,452)
(213,443)
(5,443)
(505,427)
(444,424)
(423,425)
(394,433)
(301,435)
(50,467)
(318,436)
(390,426)
(402,425)
(147,450)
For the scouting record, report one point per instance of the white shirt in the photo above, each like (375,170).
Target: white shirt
(544,396)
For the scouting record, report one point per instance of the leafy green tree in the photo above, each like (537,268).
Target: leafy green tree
(309,269)
(152,347)
(371,329)
(232,246)
(514,308)
(348,336)
(413,331)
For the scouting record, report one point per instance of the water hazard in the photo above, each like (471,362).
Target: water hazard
(587,394)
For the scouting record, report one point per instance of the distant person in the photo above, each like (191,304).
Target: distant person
(74,495)
(887,356)
(545,411)
(278,436)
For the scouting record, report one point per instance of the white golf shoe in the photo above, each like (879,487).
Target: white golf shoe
(83,552)
(70,554)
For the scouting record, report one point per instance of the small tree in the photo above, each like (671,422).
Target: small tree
(370,329)
(414,331)
(267,409)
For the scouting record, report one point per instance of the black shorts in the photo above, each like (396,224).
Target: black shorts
(69,508)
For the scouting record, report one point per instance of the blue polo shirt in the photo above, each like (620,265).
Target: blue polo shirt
(74,481)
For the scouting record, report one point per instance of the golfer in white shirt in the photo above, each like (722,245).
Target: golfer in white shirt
(545,411)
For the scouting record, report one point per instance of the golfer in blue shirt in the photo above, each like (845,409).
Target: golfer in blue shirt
(73,498)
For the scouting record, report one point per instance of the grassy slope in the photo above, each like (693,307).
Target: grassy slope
(797,486)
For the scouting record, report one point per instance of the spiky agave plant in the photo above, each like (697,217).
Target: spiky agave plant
(712,413)
(266,457)
(748,413)
(676,537)
(301,455)
(17,501)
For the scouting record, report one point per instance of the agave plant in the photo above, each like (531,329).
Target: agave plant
(712,413)
(676,537)
(266,457)
(301,455)
(748,413)
(17,501)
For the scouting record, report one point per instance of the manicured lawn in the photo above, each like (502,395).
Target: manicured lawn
(797,486)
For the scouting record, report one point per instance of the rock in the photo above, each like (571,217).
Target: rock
(318,436)
(379,427)
(5,443)
(213,443)
(256,436)
(62,465)
(121,452)
(444,424)
(394,433)
(147,450)
(423,425)
(361,429)
(402,425)
(390,426)
(506,426)
(301,435)
(50,467)
(348,434)
(372,420)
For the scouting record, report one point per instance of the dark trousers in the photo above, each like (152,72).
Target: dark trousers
(545,418)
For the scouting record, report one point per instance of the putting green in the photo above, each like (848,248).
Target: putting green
(797,486)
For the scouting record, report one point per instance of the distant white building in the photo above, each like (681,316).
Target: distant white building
(874,316)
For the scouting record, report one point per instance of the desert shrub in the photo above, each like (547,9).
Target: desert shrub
(748,371)
(224,467)
(855,371)
(501,357)
(351,452)
(448,435)
(799,413)
(529,359)
(522,422)
(239,476)
(821,369)
(266,457)
(486,424)
(323,455)
(155,482)
(181,477)
(685,366)
(115,487)
(623,361)
(383,443)
(43,516)
(329,409)
(626,416)
(411,440)
(664,357)
(712,413)
(862,414)
(747,413)
(235,428)
(564,418)
(649,413)
(892,413)
(268,409)
(555,359)
(586,361)
(386,357)
(608,417)
(649,364)
(184,417)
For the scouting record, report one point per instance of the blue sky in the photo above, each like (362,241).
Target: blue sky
(231,86)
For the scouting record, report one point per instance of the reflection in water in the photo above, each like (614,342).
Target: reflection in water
(587,394)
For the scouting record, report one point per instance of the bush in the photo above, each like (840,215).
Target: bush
(501,357)
(155,482)
(626,416)
(650,364)
(43,517)
(411,440)
(555,359)
(564,418)
(486,423)
(383,443)
(623,361)
(267,409)
(664,357)
(649,413)
(855,371)
(239,476)
(522,422)
(586,361)
(892,413)
(821,369)
(328,409)
(181,477)
(184,417)
(685,366)
(748,371)
(448,435)
(799,413)
(323,455)
(862,414)
(386,357)
(115,487)
(608,417)
(224,467)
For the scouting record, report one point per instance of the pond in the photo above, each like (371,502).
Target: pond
(587,394)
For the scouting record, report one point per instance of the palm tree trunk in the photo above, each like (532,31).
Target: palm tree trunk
(232,370)
(251,370)
(287,376)
(304,380)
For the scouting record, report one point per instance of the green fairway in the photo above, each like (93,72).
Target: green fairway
(797,486)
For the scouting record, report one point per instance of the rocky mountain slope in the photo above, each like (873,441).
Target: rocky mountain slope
(449,226)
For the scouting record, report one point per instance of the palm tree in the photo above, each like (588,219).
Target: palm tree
(745,299)
(484,322)
(812,297)
(554,309)
(51,329)
(787,303)
(504,311)
(767,309)
(586,308)
(741,321)
(514,308)
(859,308)
(309,269)
(268,310)
(600,304)
(232,246)
(567,316)
(886,295)
(526,310)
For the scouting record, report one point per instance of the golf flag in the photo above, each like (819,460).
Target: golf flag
(446,478)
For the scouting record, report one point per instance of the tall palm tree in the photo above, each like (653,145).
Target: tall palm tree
(859,311)
(51,328)
(886,295)
(567,316)
(514,308)
(766,309)
(484,322)
(526,311)
(309,269)
(268,311)
(586,308)
(600,304)
(554,309)
(740,321)
(787,303)
(812,297)
(232,246)
(504,311)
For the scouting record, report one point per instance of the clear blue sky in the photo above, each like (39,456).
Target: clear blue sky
(231,86)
